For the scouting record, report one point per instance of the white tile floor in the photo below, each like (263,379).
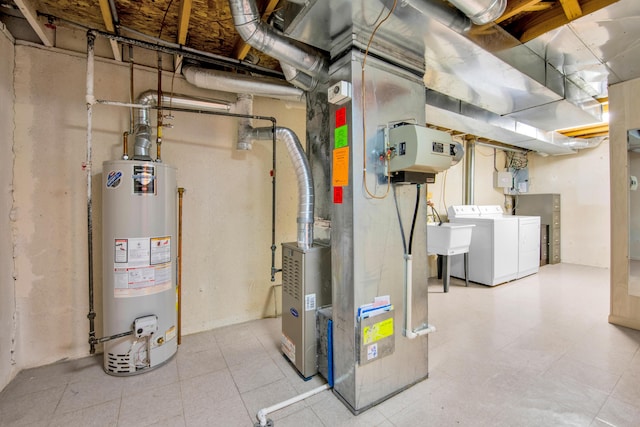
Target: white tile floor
(535,352)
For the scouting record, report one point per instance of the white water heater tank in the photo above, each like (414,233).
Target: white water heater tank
(139,242)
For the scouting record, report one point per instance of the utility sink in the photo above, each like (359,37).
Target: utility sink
(448,238)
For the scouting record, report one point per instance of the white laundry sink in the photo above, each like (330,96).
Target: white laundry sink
(448,238)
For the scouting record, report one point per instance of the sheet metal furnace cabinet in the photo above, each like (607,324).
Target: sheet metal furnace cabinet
(367,255)
(306,286)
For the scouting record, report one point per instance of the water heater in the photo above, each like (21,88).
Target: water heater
(139,242)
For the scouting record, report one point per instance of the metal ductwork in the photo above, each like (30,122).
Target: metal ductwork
(481,12)
(270,41)
(435,9)
(304,179)
(238,83)
(452,113)
(298,78)
(490,71)
(142,128)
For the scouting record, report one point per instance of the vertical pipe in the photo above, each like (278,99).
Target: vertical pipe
(273,206)
(159,105)
(131,92)
(469,171)
(179,287)
(125,146)
(90,100)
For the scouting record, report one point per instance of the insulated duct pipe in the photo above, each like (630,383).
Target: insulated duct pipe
(298,78)
(142,127)
(481,11)
(272,42)
(436,9)
(238,83)
(303,175)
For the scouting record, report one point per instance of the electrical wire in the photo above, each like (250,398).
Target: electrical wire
(415,216)
(364,113)
(407,249)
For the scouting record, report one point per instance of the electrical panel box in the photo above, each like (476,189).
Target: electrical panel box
(306,286)
(502,179)
(417,148)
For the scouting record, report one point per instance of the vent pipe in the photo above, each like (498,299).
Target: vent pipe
(272,42)
(436,9)
(481,11)
(142,128)
(238,83)
(304,179)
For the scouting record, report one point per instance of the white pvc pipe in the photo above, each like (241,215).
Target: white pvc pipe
(408,331)
(262,413)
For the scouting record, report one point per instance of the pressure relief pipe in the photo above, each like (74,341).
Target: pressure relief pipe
(303,175)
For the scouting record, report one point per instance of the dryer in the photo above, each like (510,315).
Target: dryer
(493,252)
(528,238)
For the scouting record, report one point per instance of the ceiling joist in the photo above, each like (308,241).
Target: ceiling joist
(540,23)
(572,9)
(28,9)
(107,17)
(184,16)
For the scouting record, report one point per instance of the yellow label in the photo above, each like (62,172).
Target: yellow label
(377,331)
(341,167)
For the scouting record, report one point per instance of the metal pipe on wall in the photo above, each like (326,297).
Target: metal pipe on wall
(142,127)
(304,178)
(179,284)
(469,171)
(226,82)
(87,166)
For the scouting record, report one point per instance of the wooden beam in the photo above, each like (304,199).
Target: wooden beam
(513,8)
(529,29)
(107,17)
(28,9)
(586,130)
(571,9)
(184,15)
(183,20)
(516,7)
(241,49)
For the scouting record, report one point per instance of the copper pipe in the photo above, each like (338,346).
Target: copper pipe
(159,137)
(125,146)
(179,287)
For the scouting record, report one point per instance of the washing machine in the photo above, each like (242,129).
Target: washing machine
(528,238)
(493,252)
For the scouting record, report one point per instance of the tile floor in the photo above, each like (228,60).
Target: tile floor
(534,352)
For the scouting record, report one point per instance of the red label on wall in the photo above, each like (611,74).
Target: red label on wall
(341,117)
(337,195)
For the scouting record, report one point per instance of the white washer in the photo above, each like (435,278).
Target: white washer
(528,238)
(493,252)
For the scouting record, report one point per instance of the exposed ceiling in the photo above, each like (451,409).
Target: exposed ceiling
(583,46)
(207,25)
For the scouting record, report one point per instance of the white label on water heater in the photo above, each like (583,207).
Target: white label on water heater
(142,266)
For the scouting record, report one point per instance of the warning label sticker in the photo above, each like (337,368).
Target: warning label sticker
(341,167)
(142,266)
(160,250)
(144,179)
(377,331)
